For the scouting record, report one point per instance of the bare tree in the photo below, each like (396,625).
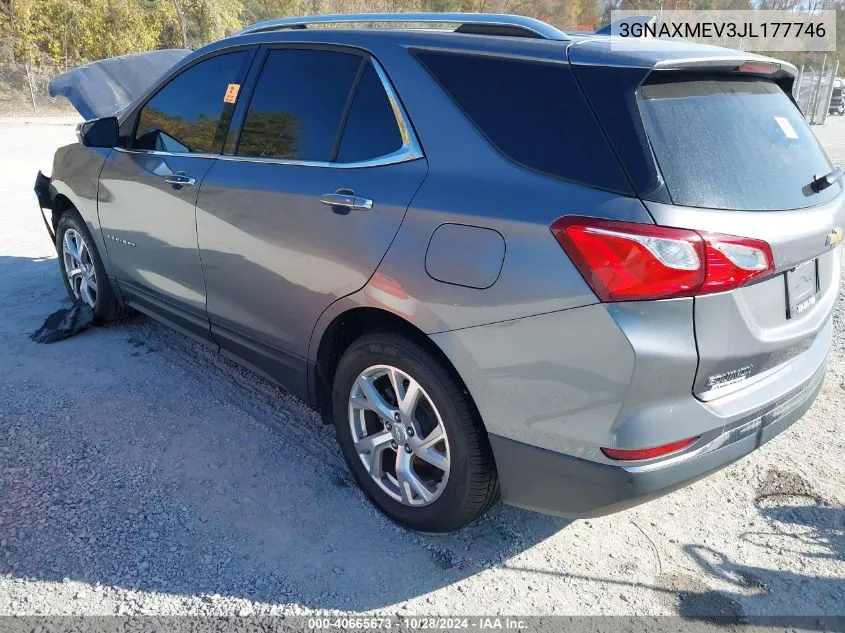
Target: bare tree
(183,22)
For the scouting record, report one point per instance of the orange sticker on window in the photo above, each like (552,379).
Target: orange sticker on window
(231,93)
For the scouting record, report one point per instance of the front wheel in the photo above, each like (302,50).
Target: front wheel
(82,269)
(410,434)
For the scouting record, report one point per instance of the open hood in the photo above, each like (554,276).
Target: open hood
(105,87)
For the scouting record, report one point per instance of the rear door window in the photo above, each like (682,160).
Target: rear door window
(371,129)
(190,114)
(532,112)
(732,143)
(298,104)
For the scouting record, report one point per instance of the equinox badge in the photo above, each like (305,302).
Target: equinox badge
(729,377)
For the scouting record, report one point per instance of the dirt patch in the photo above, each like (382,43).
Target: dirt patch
(783,483)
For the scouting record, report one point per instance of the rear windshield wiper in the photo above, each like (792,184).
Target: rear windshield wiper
(820,183)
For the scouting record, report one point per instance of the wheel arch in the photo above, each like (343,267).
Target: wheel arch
(82,198)
(65,200)
(350,325)
(61,205)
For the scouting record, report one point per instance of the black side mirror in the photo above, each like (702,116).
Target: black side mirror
(98,132)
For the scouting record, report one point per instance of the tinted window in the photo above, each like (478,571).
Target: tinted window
(533,113)
(371,129)
(189,113)
(611,92)
(732,144)
(296,109)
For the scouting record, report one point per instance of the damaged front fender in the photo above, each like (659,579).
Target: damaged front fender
(45,200)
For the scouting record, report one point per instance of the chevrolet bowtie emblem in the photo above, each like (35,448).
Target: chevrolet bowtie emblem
(834,237)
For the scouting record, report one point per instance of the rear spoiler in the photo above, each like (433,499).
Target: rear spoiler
(781,72)
(750,64)
(659,54)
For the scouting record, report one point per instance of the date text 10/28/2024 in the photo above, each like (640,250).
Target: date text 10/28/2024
(365,623)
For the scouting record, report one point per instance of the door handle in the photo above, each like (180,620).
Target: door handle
(348,199)
(180,178)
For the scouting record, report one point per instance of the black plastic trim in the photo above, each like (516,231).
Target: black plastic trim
(282,368)
(194,325)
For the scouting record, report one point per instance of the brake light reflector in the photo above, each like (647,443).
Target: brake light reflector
(625,261)
(647,453)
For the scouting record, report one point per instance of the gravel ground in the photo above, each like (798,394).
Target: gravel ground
(140,473)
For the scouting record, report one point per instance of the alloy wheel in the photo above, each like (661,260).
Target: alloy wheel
(399,435)
(79,267)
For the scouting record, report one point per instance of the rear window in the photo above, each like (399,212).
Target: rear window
(732,144)
(532,112)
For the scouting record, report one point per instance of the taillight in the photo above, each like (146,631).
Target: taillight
(647,453)
(625,261)
(734,261)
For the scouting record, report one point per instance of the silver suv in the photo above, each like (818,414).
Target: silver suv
(564,269)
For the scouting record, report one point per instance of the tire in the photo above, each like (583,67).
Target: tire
(107,308)
(467,488)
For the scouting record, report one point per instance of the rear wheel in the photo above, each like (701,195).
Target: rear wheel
(411,436)
(83,272)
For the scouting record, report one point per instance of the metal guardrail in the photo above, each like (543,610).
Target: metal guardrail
(813,90)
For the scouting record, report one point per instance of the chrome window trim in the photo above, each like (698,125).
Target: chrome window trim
(410,150)
(529,25)
(156,152)
(409,138)
(402,155)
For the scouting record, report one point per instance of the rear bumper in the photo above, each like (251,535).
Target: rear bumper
(550,482)
(553,389)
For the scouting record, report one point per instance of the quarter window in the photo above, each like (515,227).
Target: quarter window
(371,129)
(532,112)
(298,104)
(191,113)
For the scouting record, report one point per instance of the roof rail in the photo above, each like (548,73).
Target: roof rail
(495,23)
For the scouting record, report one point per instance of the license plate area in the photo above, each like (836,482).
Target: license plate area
(802,288)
